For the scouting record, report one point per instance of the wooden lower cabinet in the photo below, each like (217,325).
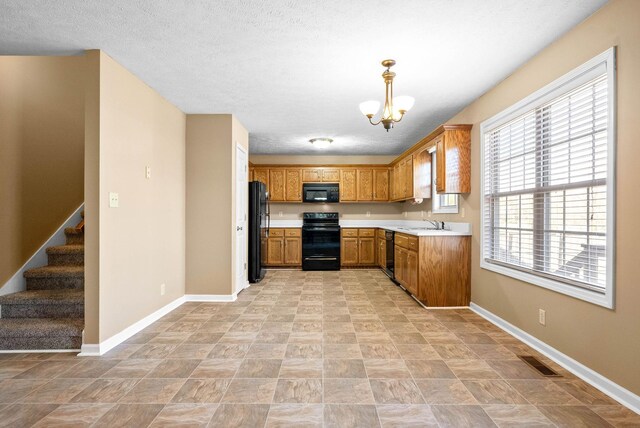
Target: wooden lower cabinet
(435,269)
(358,247)
(283,247)
(366,251)
(349,251)
(382,251)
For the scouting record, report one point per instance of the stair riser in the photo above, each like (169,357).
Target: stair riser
(66,259)
(63,342)
(58,283)
(75,239)
(42,311)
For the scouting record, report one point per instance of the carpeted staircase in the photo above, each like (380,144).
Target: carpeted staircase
(50,313)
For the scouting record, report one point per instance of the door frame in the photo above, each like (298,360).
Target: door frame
(245,277)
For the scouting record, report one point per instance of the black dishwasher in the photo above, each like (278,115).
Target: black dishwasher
(389,236)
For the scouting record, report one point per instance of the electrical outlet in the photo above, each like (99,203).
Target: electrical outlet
(462,212)
(422,214)
(147,172)
(405,214)
(279,213)
(542,316)
(429,214)
(114,201)
(162,289)
(368,214)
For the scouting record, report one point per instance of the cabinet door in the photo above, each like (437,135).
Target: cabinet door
(402,180)
(408,177)
(293,190)
(261,174)
(412,272)
(349,251)
(380,184)
(348,185)
(365,184)
(311,175)
(293,251)
(367,251)
(422,174)
(276,185)
(400,262)
(263,249)
(382,252)
(441,165)
(396,182)
(275,251)
(331,175)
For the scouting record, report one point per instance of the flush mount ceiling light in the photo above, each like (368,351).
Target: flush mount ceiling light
(394,108)
(321,143)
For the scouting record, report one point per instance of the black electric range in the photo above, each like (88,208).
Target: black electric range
(320,241)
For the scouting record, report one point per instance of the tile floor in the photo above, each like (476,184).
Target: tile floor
(336,349)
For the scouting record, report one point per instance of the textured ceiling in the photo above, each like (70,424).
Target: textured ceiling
(293,70)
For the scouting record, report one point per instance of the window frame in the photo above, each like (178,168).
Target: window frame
(436,199)
(559,87)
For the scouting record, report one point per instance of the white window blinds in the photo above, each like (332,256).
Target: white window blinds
(545,192)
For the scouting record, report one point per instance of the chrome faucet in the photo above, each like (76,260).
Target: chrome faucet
(438,225)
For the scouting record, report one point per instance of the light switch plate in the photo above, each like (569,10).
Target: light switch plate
(113,200)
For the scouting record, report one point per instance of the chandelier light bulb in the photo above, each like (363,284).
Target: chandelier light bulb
(369,108)
(403,103)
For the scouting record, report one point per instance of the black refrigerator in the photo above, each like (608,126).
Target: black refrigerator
(258,220)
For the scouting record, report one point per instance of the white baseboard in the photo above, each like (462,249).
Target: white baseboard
(595,379)
(92,350)
(38,351)
(211,297)
(17,282)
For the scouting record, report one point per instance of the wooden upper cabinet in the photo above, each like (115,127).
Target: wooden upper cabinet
(365,184)
(277,184)
(422,174)
(453,160)
(261,174)
(407,170)
(348,185)
(293,192)
(311,175)
(381,184)
(330,175)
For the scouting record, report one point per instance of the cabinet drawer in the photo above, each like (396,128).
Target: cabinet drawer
(292,232)
(350,232)
(276,232)
(367,232)
(413,243)
(401,240)
(381,233)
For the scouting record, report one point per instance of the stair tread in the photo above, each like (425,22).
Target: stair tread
(66,249)
(55,272)
(40,327)
(68,296)
(73,231)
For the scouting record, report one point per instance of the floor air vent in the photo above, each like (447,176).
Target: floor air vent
(539,366)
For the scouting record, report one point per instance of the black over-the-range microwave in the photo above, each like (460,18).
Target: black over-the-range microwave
(321,192)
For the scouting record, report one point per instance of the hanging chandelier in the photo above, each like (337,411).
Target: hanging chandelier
(394,108)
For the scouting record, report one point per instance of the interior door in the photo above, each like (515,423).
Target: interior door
(242,199)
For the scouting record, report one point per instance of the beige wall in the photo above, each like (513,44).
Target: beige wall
(211,224)
(607,341)
(41,152)
(141,244)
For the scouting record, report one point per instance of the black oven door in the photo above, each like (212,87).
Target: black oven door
(320,247)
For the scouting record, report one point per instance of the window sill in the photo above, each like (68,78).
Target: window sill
(604,300)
